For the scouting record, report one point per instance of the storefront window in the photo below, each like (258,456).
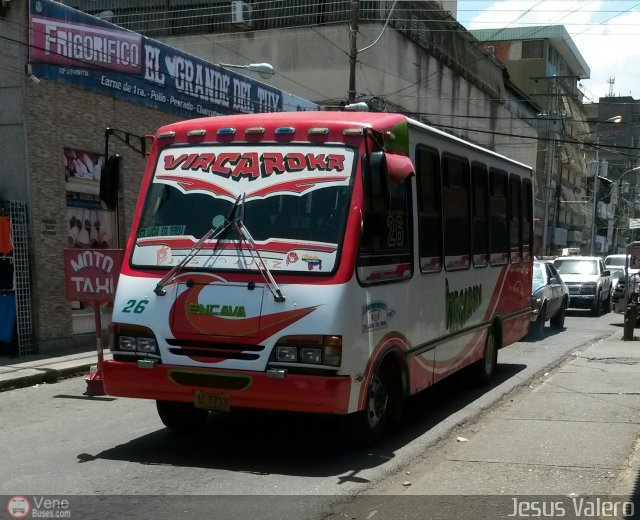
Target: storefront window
(89,226)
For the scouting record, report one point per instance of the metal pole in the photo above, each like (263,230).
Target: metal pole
(547,197)
(353,49)
(595,200)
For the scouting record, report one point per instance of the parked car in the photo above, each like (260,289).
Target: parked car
(550,298)
(588,280)
(618,295)
(619,262)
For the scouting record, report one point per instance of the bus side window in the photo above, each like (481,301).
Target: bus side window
(498,209)
(480,215)
(385,245)
(515,215)
(429,209)
(526,208)
(455,212)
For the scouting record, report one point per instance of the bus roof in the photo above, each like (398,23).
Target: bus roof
(381,121)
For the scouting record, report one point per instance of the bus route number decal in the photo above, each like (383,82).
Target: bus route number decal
(135,306)
(395,231)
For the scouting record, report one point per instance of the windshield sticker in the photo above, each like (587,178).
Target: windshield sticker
(315,258)
(258,173)
(312,262)
(161,231)
(163,256)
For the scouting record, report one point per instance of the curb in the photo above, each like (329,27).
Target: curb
(44,376)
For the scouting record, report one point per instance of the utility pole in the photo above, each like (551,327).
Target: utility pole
(353,49)
(592,244)
(548,189)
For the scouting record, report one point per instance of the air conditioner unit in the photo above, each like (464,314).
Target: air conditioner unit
(241,14)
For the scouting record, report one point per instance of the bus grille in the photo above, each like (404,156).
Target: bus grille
(214,350)
(210,380)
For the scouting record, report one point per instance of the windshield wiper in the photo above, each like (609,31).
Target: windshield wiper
(245,236)
(209,235)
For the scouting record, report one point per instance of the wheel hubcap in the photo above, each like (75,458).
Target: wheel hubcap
(378,400)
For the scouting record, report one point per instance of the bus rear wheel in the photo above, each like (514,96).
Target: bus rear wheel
(383,407)
(181,417)
(485,368)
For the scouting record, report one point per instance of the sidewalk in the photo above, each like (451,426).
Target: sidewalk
(573,432)
(34,370)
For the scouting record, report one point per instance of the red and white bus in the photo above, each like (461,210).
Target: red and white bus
(329,262)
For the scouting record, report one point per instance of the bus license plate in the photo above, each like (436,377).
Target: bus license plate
(213,401)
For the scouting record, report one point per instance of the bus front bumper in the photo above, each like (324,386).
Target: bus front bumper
(293,392)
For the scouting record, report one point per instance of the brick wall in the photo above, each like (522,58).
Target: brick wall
(59,116)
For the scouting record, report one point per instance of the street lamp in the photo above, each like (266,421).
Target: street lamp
(265,70)
(614,119)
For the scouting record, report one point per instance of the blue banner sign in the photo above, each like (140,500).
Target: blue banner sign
(72,47)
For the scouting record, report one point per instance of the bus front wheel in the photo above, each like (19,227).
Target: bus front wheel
(383,407)
(181,417)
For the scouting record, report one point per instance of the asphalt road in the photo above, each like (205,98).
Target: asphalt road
(57,442)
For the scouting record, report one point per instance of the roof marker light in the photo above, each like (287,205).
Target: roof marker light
(318,130)
(285,130)
(167,135)
(254,130)
(353,131)
(226,131)
(196,133)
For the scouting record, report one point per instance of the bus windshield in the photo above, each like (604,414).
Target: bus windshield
(294,205)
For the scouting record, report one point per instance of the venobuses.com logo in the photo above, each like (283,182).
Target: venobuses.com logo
(38,507)
(18,507)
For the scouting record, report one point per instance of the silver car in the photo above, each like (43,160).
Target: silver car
(550,298)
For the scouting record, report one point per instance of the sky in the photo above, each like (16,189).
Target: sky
(606,32)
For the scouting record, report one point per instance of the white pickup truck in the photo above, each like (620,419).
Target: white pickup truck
(588,280)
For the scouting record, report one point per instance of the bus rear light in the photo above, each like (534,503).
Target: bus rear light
(353,131)
(254,130)
(196,133)
(167,135)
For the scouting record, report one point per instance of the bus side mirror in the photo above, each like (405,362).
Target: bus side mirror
(109,178)
(377,192)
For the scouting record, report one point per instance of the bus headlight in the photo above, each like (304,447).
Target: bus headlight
(310,350)
(311,355)
(287,354)
(127,343)
(133,338)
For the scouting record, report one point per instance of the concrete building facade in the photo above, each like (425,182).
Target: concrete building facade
(547,66)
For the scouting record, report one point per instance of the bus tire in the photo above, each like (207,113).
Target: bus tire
(485,368)
(383,407)
(181,417)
